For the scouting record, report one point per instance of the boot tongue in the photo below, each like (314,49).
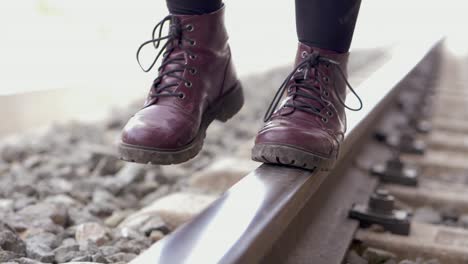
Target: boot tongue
(306,77)
(168,79)
(175,30)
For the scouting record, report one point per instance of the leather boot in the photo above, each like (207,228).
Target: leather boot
(196,84)
(306,130)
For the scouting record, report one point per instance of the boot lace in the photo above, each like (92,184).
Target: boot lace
(301,82)
(175,40)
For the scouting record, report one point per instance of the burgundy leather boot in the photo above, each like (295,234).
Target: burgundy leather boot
(306,130)
(195,85)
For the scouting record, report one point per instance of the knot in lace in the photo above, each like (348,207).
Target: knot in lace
(175,41)
(308,82)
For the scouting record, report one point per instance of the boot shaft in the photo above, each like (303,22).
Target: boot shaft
(198,44)
(207,30)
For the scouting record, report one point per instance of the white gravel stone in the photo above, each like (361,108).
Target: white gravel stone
(62,199)
(130,172)
(117,217)
(156,235)
(91,231)
(56,212)
(175,209)
(6,204)
(138,219)
(222,174)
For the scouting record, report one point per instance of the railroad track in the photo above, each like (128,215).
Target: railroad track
(397,194)
(438,198)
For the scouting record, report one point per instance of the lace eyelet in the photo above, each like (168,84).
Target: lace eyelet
(329,113)
(300,70)
(326,93)
(190,27)
(192,42)
(324,119)
(188,84)
(326,79)
(181,95)
(192,57)
(327,65)
(304,54)
(193,71)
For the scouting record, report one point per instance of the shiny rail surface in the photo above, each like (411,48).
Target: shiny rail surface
(272,214)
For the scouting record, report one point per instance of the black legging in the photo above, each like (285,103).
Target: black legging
(327,24)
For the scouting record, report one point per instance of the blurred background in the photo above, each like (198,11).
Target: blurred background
(81,54)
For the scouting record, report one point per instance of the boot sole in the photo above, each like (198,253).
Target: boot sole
(225,108)
(290,156)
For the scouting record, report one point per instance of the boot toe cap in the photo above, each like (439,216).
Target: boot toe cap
(158,131)
(312,140)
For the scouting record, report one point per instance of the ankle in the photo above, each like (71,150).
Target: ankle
(323,48)
(191,7)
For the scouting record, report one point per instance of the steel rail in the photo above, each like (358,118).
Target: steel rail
(272,213)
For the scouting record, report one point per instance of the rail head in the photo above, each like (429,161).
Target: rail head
(243,224)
